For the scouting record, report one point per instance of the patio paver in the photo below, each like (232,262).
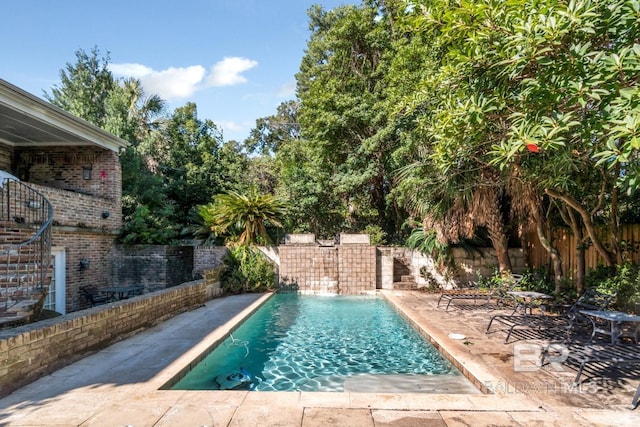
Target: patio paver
(120,385)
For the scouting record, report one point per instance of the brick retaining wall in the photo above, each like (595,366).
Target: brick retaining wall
(32,351)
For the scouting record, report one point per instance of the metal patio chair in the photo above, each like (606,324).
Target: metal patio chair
(568,323)
(475,293)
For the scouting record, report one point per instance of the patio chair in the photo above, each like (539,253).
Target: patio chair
(599,354)
(92,294)
(636,399)
(475,293)
(569,322)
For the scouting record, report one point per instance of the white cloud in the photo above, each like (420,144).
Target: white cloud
(169,84)
(130,70)
(175,83)
(228,72)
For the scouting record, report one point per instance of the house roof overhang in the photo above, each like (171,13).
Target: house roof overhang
(28,121)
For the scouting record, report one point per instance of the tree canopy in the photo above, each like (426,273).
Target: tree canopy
(459,119)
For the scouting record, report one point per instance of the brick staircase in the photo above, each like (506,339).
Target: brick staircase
(25,252)
(402,277)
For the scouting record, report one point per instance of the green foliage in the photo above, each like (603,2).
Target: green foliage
(427,243)
(247,270)
(504,77)
(344,163)
(85,87)
(193,162)
(173,163)
(431,283)
(146,227)
(244,218)
(497,280)
(272,132)
(623,279)
(377,236)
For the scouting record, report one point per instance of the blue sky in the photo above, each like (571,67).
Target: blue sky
(236,59)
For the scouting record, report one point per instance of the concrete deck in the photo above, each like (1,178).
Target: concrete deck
(120,386)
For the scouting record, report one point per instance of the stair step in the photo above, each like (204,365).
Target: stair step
(407,278)
(405,285)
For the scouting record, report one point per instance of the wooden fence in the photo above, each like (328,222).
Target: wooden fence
(566,244)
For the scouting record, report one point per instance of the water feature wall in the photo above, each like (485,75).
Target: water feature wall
(328,268)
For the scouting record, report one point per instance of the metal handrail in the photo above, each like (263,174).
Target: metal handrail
(24,269)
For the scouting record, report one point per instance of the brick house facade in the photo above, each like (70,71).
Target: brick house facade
(75,166)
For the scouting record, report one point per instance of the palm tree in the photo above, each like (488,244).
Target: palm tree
(454,202)
(244,217)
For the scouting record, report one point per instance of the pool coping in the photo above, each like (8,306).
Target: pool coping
(483,401)
(173,373)
(472,371)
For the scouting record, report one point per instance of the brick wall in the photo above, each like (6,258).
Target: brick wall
(87,212)
(82,211)
(153,266)
(63,168)
(32,351)
(97,248)
(6,155)
(206,257)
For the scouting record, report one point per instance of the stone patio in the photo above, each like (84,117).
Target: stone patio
(120,386)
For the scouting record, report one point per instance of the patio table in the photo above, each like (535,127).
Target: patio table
(121,292)
(526,300)
(615,319)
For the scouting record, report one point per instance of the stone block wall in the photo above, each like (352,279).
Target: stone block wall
(357,269)
(385,261)
(300,239)
(354,239)
(329,269)
(468,266)
(313,269)
(38,349)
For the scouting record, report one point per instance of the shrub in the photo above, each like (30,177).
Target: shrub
(624,279)
(376,234)
(247,270)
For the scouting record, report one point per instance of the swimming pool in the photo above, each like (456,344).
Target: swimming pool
(320,343)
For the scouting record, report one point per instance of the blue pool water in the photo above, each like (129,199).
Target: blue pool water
(317,343)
